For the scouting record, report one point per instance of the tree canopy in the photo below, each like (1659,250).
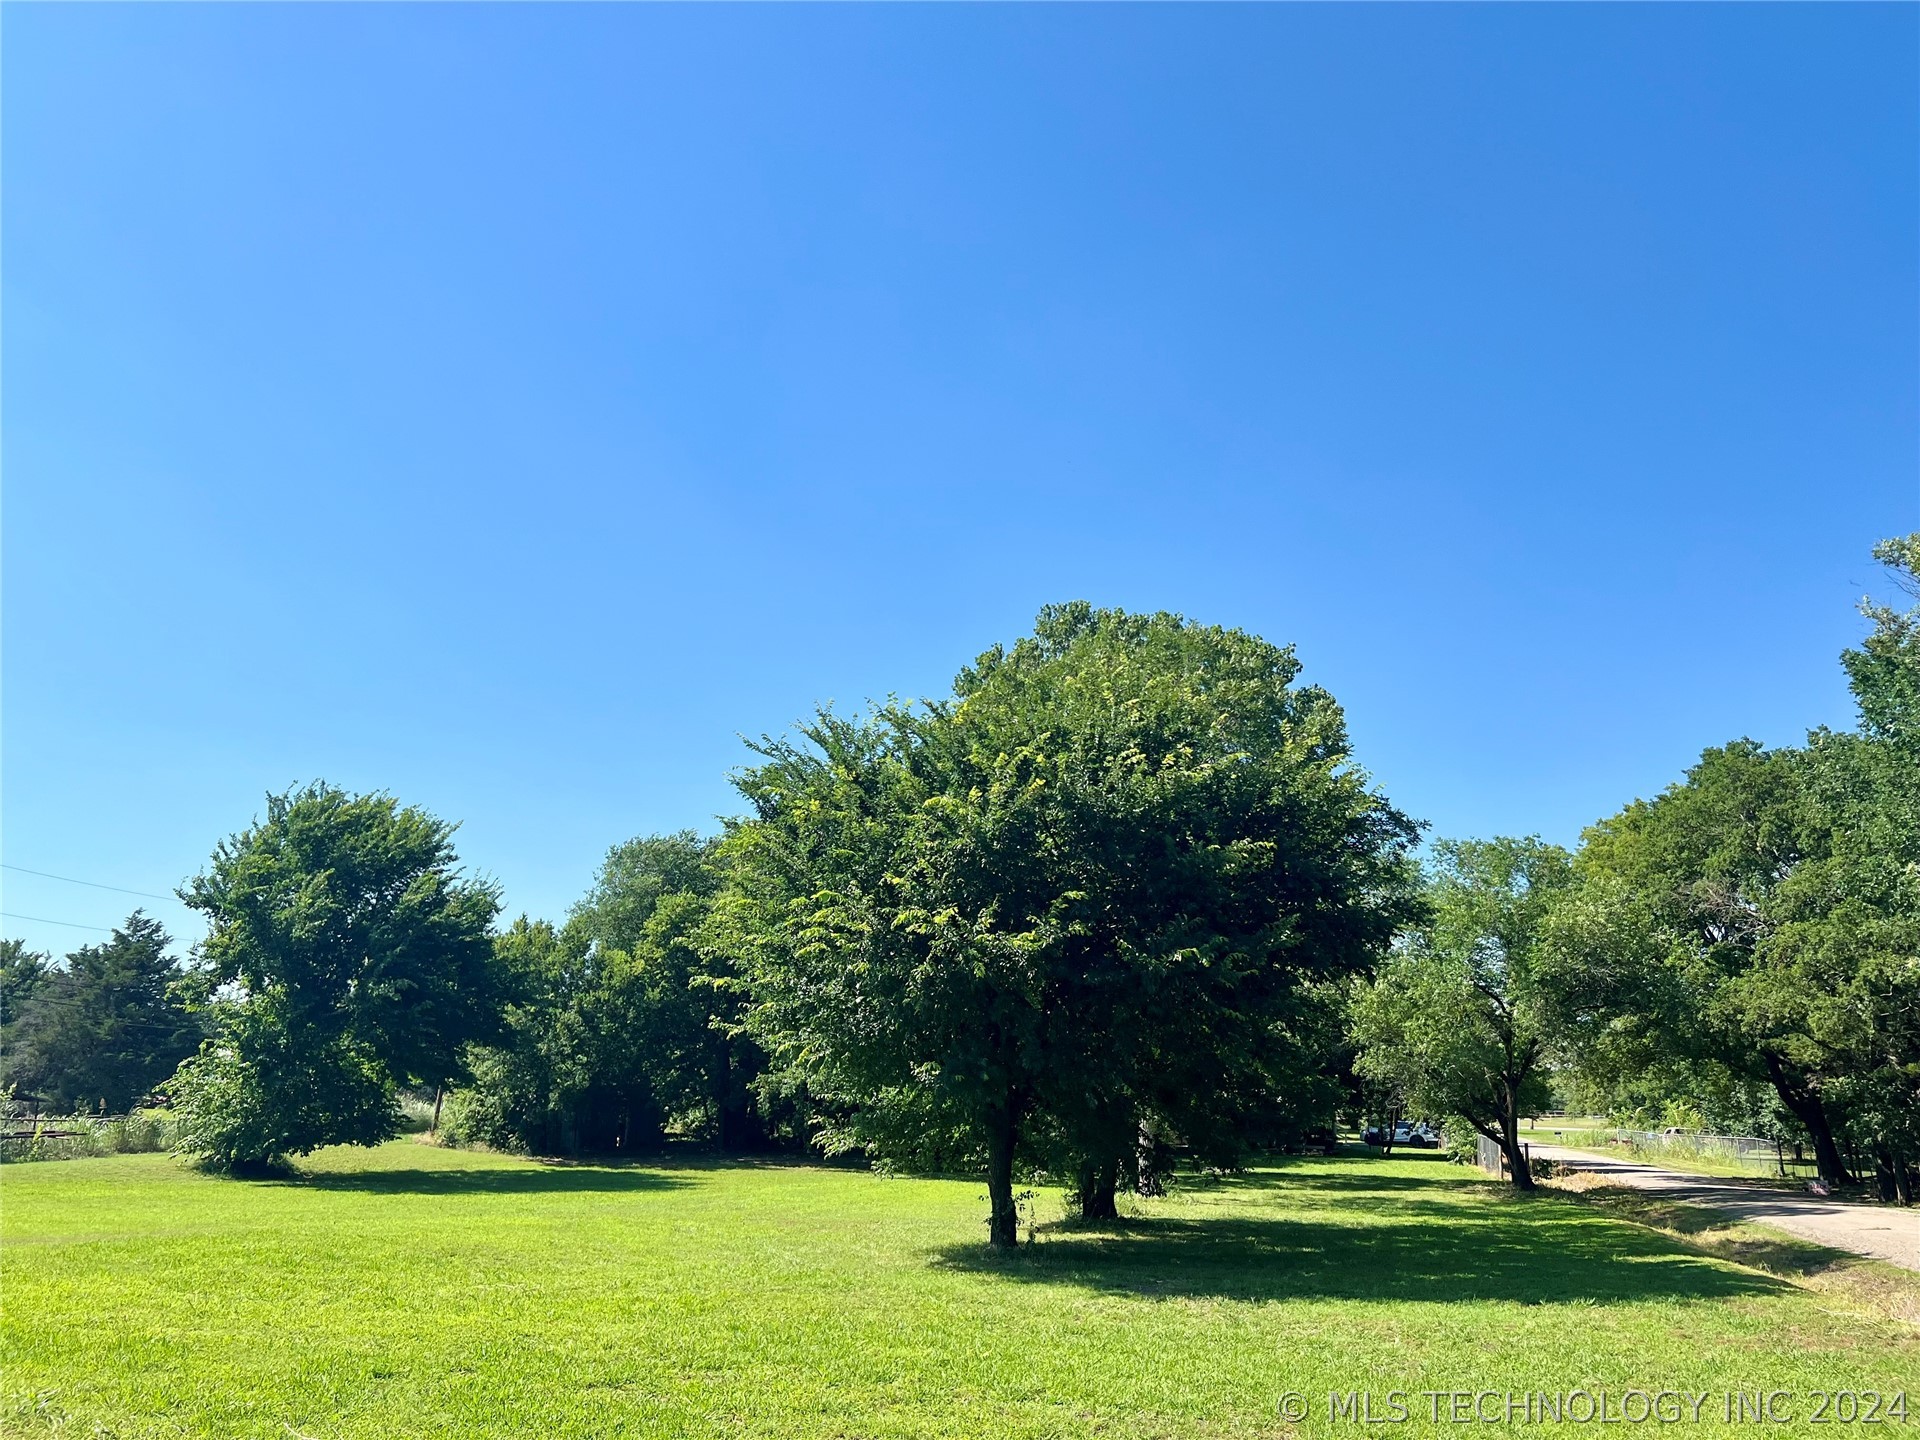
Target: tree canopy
(622,1021)
(1762,916)
(346,955)
(1110,883)
(1122,895)
(1464,1016)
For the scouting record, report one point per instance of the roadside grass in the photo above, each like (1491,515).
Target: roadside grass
(411,1291)
(1872,1286)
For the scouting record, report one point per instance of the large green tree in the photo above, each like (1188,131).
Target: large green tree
(570,1071)
(1762,917)
(653,900)
(1464,1017)
(1847,957)
(346,955)
(622,1021)
(1839,978)
(1697,883)
(1104,891)
(104,1028)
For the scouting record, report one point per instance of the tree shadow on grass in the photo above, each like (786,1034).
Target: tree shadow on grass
(1718,1233)
(667,1168)
(1539,1251)
(545,1178)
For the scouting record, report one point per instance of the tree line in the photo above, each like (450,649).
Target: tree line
(1744,948)
(1122,896)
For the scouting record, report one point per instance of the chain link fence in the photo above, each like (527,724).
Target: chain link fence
(1749,1154)
(1753,1155)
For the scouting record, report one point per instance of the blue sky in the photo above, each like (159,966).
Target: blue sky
(512,406)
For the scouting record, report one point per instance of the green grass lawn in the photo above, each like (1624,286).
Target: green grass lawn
(410,1291)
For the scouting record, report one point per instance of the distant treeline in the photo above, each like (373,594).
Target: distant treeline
(1123,896)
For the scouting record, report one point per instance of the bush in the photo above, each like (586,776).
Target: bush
(1460,1143)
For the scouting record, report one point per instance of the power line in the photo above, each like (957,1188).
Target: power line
(185,1024)
(95,884)
(70,924)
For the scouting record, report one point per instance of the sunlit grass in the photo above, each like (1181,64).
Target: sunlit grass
(411,1291)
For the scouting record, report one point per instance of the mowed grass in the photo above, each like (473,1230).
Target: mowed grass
(410,1291)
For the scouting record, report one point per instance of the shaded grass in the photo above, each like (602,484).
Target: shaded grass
(1876,1287)
(409,1291)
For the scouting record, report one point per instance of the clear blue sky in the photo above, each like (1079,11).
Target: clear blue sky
(509,407)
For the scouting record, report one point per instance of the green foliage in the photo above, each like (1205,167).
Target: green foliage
(1848,955)
(1759,923)
(100,1031)
(266,1088)
(654,901)
(1687,894)
(1460,1141)
(1885,671)
(1462,1018)
(570,1073)
(22,974)
(623,1022)
(346,956)
(1111,883)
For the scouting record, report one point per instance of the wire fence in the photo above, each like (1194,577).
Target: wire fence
(1751,1154)
(79,1137)
(1685,1149)
(1492,1159)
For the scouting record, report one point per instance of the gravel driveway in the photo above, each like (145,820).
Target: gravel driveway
(1883,1232)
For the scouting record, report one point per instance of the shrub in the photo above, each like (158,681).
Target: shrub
(1460,1143)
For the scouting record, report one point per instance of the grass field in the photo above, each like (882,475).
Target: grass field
(410,1291)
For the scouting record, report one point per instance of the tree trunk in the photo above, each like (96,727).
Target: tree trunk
(1826,1154)
(1517,1164)
(721,1088)
(1150,1160)
(1099,1182)
(1808,1110)
(438,1095)
(1003,1224)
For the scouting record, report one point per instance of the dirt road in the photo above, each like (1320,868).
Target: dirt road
(1883,1232)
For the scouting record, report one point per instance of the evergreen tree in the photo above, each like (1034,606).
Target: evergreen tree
(100,1031)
